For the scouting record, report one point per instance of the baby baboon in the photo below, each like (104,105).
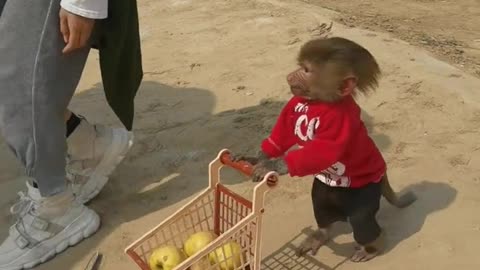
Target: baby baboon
(323,119)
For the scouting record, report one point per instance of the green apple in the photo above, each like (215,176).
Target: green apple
(228,256)
(166,258)
(197,241)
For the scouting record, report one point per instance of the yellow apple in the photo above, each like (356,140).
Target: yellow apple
(197,241)
(166,258)
(229,256)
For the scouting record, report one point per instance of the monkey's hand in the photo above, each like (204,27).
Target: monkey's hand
(266,166)
(254,160)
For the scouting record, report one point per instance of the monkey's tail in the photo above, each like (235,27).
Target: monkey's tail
(392,197)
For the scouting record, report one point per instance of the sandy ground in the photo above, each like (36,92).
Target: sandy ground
(215,79)
(447,28)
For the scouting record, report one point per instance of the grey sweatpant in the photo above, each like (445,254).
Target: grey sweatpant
(37,83)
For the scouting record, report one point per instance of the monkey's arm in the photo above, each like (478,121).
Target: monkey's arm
(282,136)
(254,160)
(325,149)
(322,152)
(266,166)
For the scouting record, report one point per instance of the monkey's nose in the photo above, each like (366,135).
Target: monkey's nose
(289,78)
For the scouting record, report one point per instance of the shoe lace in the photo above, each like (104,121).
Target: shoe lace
(24,204)
(76,171)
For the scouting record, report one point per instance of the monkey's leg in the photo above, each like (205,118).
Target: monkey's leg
(369,251)
(367,233)
(325,216)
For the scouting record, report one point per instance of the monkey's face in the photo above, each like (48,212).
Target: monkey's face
(309,82)
(300,81)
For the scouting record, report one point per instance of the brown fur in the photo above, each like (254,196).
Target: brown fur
(392,197)
(337,58)
(331,68)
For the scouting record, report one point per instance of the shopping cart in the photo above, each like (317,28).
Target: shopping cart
(218,209)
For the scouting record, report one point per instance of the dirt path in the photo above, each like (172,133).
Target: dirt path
(209,64)
(447,28)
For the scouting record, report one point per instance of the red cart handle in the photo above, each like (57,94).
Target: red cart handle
(244,167)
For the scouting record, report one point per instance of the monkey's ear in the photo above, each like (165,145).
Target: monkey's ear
(348,85)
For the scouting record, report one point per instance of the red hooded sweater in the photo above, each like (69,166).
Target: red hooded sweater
(333,143)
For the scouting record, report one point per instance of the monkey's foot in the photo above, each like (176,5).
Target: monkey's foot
(364,254)
(313,243)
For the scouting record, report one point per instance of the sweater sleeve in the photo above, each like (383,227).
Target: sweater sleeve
(325,149)
(92,9)
(282,136)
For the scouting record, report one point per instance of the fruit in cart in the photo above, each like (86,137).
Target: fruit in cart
(166,258)
(197,241)
(227,256)
(202,264)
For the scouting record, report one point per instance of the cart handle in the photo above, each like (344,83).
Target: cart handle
(244,167)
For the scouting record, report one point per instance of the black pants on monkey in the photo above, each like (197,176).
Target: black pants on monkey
(358,206)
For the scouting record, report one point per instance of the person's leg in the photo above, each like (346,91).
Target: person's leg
(36,85)
(2,3)
(94,151)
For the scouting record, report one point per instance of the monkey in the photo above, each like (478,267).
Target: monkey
(323,119)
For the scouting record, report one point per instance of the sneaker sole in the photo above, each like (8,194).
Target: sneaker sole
(122,141)
(88,223)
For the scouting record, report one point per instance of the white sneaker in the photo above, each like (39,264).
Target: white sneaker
(94,151)
(44,228)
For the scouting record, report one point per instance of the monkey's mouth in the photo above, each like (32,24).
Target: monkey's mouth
(299,91)
(296,89)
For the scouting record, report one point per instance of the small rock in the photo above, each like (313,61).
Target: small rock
(293,41)
(249,93)
(239,88)
(192,66)
(183,83)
